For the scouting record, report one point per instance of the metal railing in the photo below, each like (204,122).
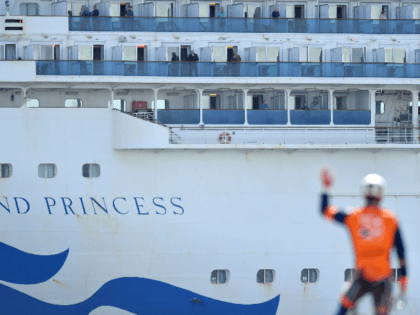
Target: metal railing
(273,136)
(397,135)
(241,25)
(227,69)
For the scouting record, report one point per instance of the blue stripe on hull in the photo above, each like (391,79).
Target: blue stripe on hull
(136,295)
(19,267)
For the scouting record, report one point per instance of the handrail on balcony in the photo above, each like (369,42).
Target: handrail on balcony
(242,25)
(227,69)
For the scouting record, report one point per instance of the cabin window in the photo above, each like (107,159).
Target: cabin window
(309,275)
(121,105)
(47,170)
(90,170)
(161,104)
(29,9)
(380,107)
(265,276)
(73,103)
(219,276)
(349,275)
(9,52)
(6,170)
(33,102)
(396,274)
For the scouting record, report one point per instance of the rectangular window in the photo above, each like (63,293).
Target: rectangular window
(47,170)
(10,52)
(6,170)
(349,275)
(129,53)
(315,55)
(1,52)
(219,276)
(90,170)
(265,276)
(357,54)
(399,55)
(309,275)
(388,55)
(28,9)
(380,107)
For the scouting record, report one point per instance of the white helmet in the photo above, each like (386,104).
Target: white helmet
(373,186)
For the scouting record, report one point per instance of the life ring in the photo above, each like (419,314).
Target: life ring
(225,138)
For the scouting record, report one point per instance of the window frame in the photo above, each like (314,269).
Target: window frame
(10,170)
(33,99)
(26,4)
(376,107)
(264,276)
(227,274)
(308,281)
(352,273)
(45,170)
(90,170)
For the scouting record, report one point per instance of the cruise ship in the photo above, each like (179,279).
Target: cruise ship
(163,157)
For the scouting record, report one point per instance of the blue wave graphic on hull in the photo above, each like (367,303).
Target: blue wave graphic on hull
(136,295)
(19,267)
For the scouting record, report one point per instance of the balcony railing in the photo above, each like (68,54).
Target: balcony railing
(227,69)
(226,136)
(263,117)
(242,25)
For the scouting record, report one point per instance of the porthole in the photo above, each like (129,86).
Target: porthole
(47,170)
(219,276)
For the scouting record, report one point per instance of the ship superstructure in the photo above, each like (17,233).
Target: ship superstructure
(195,174)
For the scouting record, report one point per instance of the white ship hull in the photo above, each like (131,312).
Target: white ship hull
(176,215)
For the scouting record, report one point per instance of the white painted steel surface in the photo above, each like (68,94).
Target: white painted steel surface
(244,210)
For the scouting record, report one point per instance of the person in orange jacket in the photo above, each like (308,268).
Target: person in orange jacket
(374,232)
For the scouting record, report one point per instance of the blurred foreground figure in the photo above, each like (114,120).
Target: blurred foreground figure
(374,232)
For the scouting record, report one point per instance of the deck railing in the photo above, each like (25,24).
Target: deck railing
(228,69)
(242,25)
(296,136)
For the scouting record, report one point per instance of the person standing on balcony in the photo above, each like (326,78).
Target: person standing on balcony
(193,58)
(314,105)
(95,11)
(382,16)
(174,57)
(86,12)
(221,13)
(129,13)
(264,105)
(276,13)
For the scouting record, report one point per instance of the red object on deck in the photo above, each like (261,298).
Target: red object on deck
(139,105)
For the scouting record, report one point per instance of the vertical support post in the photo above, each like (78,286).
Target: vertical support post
(200,105)
(372,100)
(245,91)
(111,102)
(415,115)
(331,105)
(286,103)
(155,91)
(24,102)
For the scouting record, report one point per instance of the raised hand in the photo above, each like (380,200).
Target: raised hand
(327,178)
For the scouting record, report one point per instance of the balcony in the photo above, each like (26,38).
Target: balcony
(295,136)
(242,25)
(226,69)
